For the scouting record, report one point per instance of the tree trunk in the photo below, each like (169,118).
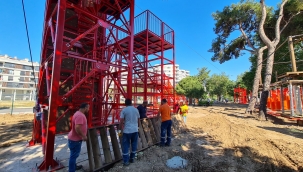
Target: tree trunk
(271,45)
(255,89)
(267,81)
(263,113)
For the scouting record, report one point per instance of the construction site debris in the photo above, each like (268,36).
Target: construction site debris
(176,162)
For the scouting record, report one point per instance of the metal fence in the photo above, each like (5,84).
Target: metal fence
(11,103)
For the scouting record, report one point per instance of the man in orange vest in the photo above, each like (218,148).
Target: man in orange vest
(165,112)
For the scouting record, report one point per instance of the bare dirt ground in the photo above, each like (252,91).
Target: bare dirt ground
(219,138)
(223,138)
(15,128)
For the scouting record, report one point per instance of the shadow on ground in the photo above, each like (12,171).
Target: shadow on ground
(206,154)
(12,133)
(288,131)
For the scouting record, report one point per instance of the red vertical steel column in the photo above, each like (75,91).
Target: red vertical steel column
(174,70)
(162,60)
(49,162)
(146,59)
(131,48)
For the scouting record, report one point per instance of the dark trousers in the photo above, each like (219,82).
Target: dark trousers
(75,148)
(166,129)
(127,140)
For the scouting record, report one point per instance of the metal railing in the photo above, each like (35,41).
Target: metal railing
(148,21)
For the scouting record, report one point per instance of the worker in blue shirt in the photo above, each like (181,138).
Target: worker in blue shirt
(142,110)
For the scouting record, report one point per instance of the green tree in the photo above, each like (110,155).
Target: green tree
(244,18)
(240,82)
(220,85)
(272,40)
(240,18)
(203,74)
(190,87)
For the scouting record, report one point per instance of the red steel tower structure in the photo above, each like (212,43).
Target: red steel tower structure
(97,51)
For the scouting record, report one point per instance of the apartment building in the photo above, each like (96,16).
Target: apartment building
(168,70)
(17,79)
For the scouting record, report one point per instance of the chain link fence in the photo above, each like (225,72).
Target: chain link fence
(12,103)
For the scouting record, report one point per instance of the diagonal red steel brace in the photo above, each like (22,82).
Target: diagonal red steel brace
(91,73)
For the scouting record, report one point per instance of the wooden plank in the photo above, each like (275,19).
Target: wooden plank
(147,132)
(142,136)
(95,148)
(105,145)
(120,138)
(152,131)
(89,153)
(115,144)
(156,128)
(139,147)
(290,74)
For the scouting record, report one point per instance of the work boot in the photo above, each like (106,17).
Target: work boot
(78,167)
(126,164)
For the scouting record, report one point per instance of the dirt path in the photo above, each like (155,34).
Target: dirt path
(225,139)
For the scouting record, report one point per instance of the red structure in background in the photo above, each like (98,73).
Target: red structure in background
(240,95)
(98,52)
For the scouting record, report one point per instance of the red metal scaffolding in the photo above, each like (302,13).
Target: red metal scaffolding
(240,95)
(98,52)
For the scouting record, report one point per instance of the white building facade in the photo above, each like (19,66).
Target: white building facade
(17,79)
(168,70)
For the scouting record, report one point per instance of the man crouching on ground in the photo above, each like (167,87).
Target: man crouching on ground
(165,112)
(129,120)
(77,135)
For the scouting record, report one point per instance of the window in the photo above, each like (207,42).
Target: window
(37,68)
(10,84)
(11,72)
(10,78)
(27,67)
(1,63)
(10,65)
(20,85)
(1,70)
(22,73)
(32,73)
(21,79)
(31,85)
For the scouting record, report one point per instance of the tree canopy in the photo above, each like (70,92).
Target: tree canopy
(190,87)
(242,18)
(220,85)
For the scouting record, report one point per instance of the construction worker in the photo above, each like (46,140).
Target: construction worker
(184,111)
(129,120)
(165,112)
(176,108)
(77,135)
(142,109)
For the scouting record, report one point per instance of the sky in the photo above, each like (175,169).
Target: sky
(191,21)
